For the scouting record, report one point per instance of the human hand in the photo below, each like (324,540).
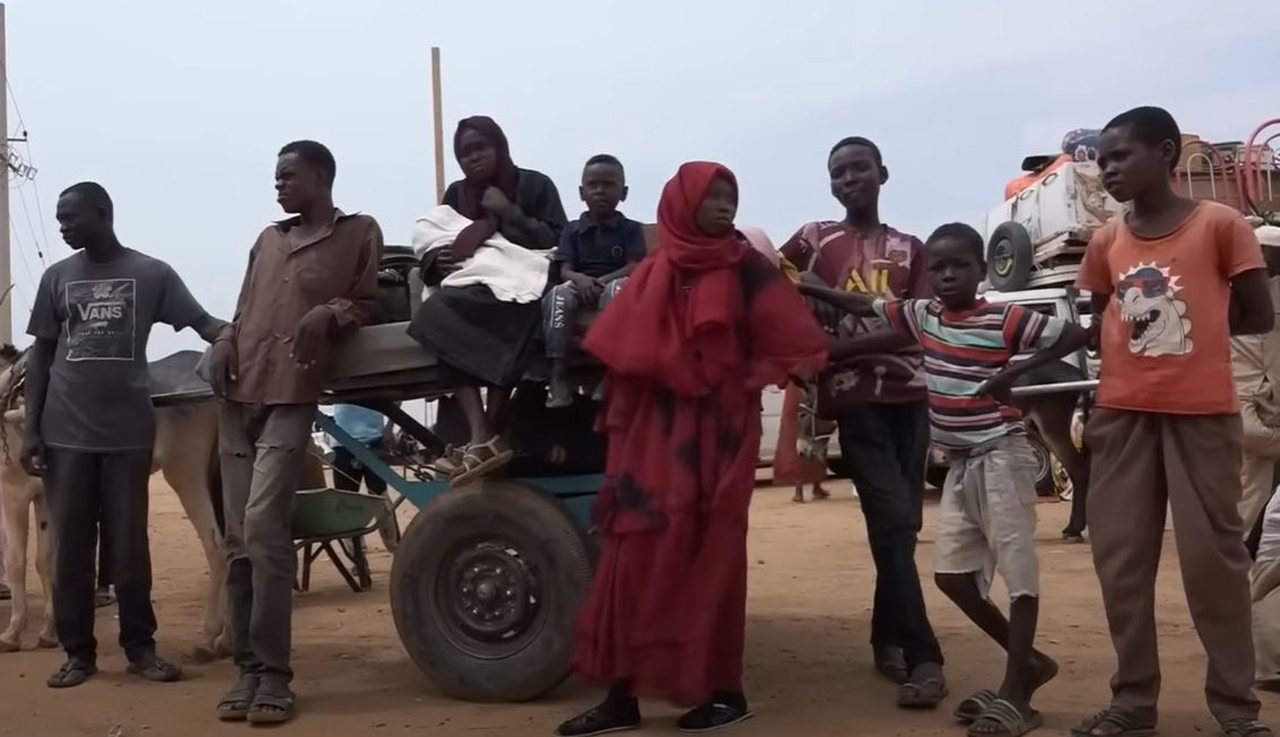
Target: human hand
(589,289)
(33,457)
(445,263)
(222,366)
(311,336)
(494,201)
(813,287)
(999,387)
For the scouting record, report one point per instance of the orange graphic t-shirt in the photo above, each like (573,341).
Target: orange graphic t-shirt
(1165,339)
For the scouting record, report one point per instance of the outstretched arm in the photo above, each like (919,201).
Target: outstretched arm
(852,302)
(1000,386)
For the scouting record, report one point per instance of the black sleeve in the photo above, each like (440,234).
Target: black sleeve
(451,195)
(544,219)
(635,249)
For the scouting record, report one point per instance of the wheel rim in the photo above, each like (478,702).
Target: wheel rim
(1002,257)
(1044,467)
(489,598)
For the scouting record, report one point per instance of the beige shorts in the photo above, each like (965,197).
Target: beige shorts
(987,519)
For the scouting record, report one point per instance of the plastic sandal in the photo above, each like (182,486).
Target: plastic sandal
(1006,719)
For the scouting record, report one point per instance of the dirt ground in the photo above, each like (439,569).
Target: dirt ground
(808,662)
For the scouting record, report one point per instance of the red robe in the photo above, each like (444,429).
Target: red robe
(689,346)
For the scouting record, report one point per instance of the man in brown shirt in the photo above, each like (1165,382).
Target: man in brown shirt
(312,279)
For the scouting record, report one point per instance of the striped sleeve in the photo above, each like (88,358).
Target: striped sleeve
(903,315)
(1029,330)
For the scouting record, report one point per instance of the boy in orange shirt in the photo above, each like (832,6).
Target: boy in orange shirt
(1171,281)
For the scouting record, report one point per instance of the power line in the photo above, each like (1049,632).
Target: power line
(22,128)
(23,255)
(35,236)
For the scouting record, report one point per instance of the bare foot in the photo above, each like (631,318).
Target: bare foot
(798,497)
(820,493)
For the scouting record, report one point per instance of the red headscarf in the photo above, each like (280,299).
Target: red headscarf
(505,177)
(644,334)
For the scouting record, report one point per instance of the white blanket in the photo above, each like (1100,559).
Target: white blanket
(513,273)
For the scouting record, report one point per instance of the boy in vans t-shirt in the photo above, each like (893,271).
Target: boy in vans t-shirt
(1170,282)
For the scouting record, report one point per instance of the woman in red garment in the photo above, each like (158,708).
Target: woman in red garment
(704,324)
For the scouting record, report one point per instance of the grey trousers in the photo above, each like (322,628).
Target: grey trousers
(262,449)
(560,310)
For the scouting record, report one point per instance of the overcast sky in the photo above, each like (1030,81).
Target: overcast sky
(179,108)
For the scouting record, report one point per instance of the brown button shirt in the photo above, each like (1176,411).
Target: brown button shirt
(336,269)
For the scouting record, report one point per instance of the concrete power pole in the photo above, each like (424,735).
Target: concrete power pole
(437,119)
(6,277)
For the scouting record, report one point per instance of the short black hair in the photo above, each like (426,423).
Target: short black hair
(93,193)
(1151,125)
(609,159)
(859,141)
(965,235)
(315,154)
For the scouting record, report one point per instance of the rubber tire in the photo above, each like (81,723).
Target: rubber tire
(544,532)
(1021,251)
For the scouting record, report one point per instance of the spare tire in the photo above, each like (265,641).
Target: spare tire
(485,589)
(1009,254)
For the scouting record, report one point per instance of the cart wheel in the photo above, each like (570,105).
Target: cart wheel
(1009,254)
(485,588)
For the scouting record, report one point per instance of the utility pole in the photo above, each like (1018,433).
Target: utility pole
(438,118)
(6,277)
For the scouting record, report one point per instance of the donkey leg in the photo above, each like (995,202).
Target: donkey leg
(44,553)
(192,488)
(16,521)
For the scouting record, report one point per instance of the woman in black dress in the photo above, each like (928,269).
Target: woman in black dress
(479,340)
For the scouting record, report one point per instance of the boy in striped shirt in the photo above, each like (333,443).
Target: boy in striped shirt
(987,518)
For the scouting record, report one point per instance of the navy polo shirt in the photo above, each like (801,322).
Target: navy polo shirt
(597,249)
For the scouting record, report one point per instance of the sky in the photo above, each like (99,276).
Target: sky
(179,108)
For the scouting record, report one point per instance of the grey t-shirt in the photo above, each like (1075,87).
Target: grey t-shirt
(99,396)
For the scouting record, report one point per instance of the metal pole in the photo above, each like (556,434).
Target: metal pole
(6,278)
(438,114)
(1065,386)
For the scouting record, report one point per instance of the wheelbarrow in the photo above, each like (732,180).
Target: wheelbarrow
(323,517)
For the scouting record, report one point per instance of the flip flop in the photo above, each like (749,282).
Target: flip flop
(926,694)
(970,709)
(1007,719)
(156,669)
(474,466)
(271,707)
(234,705)
(1244,727)
(1128,725)
(72,673)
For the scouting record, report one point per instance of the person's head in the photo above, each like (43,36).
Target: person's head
(304,175)
(857,171)
(956,264)
(480,147)
(604,185)
(85,215)
(1138,151)
(698,205)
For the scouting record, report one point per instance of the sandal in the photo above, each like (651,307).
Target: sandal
(72,673)
(970,709)
(474,465)
(926,693)
(1244,727)
(1002,719)
(103,598)
(450,461)
(156,669)
(5,593)
(234,705)
(271,705)
(1126,723)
